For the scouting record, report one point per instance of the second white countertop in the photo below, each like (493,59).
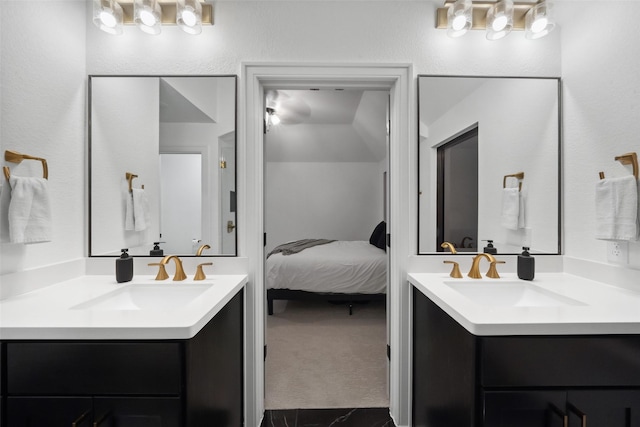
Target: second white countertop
(602,309)
(55,312)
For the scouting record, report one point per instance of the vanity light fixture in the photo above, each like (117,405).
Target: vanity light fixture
(107,15)
(147,15)
(189,16)
(459,18)
(499,19)
(151,15)
(496,18)
(539,21)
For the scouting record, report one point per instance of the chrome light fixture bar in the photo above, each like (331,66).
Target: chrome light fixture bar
(150,15)
(498,18)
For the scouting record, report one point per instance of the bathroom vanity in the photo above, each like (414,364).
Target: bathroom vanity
(566,357)
(177,365)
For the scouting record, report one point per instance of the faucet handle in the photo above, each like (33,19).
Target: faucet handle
(455,271)
(162,272)
(200,273)
(493,271)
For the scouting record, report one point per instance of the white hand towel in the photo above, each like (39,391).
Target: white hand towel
(141,217)
(29,210)
(511,203)
(617,208)
(129,224)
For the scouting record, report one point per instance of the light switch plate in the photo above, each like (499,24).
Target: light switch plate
(618,252)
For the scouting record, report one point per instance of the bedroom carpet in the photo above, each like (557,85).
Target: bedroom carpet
(320,357)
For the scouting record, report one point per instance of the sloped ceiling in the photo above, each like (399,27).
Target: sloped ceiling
(182,100)
(338,126)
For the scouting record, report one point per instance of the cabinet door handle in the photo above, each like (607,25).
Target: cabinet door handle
(101,419)
(81,418)
(579,413)
(561,414)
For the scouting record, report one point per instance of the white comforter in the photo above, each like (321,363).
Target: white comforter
(340,267)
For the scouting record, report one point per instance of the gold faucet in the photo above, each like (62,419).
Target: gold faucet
(447,245)
(200,272)
(179,270)
(202,248)
(474,273)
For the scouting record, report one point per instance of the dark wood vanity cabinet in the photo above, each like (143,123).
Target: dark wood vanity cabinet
(124,383)
(462,380)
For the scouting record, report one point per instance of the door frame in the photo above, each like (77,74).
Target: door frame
(398,79)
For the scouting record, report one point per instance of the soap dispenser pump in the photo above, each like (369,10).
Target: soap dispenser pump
(156,251)
(526,265)
(124,267)
(490,249)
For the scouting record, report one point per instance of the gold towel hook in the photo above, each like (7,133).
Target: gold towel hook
(129,176)
(519,176)
(15,157)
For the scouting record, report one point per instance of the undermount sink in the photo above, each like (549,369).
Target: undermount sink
(146,297)
(510,294)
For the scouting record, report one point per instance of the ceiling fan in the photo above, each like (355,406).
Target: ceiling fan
(289,109)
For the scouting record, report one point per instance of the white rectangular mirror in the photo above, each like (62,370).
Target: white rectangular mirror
(162,165)
(489,164)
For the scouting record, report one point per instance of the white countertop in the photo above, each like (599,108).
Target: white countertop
(52,313)
(602,309)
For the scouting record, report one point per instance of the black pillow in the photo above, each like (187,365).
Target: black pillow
(379,236)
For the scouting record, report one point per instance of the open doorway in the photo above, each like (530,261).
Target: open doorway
(326,157)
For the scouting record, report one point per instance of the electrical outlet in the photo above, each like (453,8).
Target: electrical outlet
(618,252)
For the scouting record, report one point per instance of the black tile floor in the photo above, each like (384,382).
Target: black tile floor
(358,417)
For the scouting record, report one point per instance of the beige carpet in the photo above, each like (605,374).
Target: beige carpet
(320,357)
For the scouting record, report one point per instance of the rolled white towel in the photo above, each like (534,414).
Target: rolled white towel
(29,210)
(617,208)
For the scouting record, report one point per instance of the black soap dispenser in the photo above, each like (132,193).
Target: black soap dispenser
(489,249)
(526,265)
(124,267)
(156,251)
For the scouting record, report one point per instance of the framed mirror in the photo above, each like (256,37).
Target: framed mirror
(162,165)
(489,164)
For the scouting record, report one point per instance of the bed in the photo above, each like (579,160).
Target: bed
(334,270)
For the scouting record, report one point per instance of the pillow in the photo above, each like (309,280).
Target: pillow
(379,236)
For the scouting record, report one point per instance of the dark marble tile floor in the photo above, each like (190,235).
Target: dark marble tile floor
(358,417)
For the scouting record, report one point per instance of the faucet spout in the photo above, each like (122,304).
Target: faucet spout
(474,273)
(179,270)
(202,248)
(447,245)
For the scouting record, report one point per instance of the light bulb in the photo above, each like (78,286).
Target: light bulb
(458,22)
(499,23)
(538,21)
(146,15)
(189,16)
(147,18)
(499,19)
(107,15)
(275,120)
(459,18)
(539,24)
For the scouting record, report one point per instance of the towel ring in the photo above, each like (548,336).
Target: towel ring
(627,159)
(519,176)
(15,157)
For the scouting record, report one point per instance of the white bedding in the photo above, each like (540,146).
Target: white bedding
(340,267)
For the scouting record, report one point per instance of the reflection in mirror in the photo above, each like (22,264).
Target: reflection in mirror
(474,132)
(176,135)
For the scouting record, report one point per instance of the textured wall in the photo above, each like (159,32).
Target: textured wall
(42,70)
(600,62)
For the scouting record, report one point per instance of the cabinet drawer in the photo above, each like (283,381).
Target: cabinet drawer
(560,361)
(69,368)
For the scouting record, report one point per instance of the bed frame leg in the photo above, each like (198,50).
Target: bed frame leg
(270,306)
(350,309)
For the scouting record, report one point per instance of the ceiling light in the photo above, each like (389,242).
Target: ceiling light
(107,15)
(146,15)
(459,18)
(539,21)
(499,19)
(189,16)
(496,17)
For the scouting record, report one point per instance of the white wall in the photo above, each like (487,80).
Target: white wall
(600,63)
(341,201)
(43,75)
